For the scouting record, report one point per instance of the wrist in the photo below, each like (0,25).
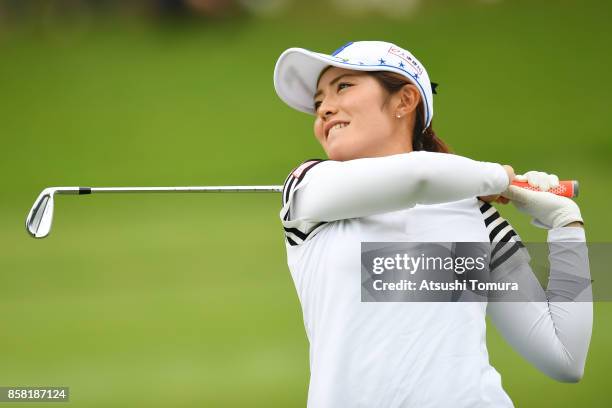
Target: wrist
(567,216)
(578,224)
(566,234)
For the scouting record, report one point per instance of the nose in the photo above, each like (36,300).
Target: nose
(327,109)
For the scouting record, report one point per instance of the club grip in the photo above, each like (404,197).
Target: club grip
(566,188)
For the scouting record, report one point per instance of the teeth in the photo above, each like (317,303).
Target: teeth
(338,126)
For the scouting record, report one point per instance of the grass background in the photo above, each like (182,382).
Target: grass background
(186,300)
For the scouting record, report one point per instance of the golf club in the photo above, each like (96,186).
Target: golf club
(40,217)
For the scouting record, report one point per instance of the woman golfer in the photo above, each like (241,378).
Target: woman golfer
(388,178)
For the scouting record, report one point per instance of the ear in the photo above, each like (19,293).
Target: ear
(409,98)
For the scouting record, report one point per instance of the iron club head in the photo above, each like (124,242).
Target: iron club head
(40,217)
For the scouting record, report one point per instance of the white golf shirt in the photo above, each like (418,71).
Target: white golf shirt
(408,354)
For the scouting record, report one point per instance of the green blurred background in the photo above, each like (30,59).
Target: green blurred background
(186,300)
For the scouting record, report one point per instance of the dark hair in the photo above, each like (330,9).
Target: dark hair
(422,139)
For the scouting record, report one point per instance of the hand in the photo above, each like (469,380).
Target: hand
(546,209)
(539,179)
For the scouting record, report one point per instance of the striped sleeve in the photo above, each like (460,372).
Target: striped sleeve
(297,231)
(507,249)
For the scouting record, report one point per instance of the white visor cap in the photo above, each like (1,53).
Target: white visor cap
(297,71)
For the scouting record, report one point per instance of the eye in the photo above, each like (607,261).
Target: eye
(341,85)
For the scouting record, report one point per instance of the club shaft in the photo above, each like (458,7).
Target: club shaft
(185,189)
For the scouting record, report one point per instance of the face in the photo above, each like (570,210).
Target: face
(352,119)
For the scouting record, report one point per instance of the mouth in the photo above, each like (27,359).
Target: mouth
(336,128)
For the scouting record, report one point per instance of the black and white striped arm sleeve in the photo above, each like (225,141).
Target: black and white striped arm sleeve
(507,250)
(297,231)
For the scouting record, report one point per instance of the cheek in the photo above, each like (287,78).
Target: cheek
(318,130)
(372,125)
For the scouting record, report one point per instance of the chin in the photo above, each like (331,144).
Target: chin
(339,154)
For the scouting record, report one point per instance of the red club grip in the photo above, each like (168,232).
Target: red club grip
(566,188)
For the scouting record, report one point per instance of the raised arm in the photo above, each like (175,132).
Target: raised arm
(335,190)
(553,329)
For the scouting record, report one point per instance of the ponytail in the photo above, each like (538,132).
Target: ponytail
(426,139)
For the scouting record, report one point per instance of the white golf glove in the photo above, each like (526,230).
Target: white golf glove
(546,209)
(543,181)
